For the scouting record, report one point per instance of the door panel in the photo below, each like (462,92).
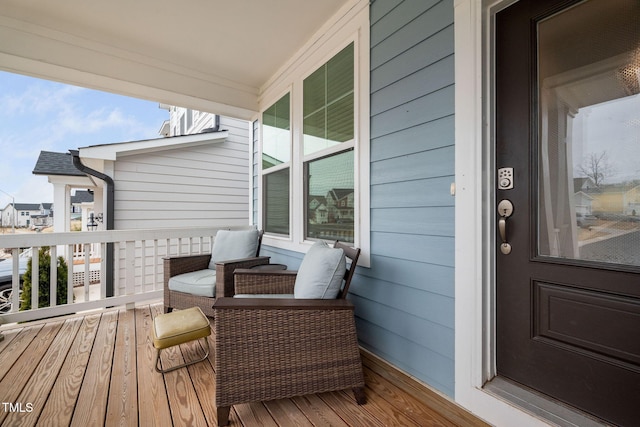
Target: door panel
(568,122)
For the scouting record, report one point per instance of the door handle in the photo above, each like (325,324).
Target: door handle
(502,226)
(505,209)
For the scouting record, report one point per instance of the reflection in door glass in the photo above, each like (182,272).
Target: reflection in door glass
(589,133)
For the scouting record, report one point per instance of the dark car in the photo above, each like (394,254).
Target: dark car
(6,280)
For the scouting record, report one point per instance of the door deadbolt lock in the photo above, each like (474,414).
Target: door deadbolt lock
(505,178)
(505,208)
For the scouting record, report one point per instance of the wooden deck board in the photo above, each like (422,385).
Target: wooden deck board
(122,406)
(36,392)
(153,403)
(58,410)
(98,369)
(14,346)
(91,406)
(16,379)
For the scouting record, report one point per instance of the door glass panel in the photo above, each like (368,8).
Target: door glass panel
(589,133)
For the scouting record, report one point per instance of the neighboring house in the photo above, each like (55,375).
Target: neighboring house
(318,211)
(583,184)
(191,180)
(609,199)
(416,104)
(196,180)
(44,218)
(20,214)
(78,199)
(582,202)
(66,179)
(340,204)
(631,201)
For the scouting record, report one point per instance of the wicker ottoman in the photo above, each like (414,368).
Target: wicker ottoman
(179,327)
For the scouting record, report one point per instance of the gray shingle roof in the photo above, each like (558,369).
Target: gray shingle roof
(82,196)
(27,206)
(51,163)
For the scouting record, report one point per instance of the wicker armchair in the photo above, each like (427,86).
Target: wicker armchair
(174,266)
(273,348)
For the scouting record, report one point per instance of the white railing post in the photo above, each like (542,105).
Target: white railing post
(53,276)
(35,277)
(15,280)
(130,267)
(103,271)
(87,273)
(69,257)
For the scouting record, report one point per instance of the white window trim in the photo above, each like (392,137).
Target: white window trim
(351,24)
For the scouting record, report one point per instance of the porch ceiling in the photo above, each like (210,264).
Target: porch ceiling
(212,53)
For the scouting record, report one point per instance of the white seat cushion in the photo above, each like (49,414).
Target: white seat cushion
(321,272)
(229,245)
(200,282)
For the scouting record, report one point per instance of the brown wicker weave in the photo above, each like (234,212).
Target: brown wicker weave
(224,279)
(277,348)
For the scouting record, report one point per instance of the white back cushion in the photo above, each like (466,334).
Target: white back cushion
(230,245)
(321,272)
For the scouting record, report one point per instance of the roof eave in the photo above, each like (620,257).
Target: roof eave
(114,151)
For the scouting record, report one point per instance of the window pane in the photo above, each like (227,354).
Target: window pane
(276,202)
(329,198)
(314,92)
(276,134)
(328,107)
(340,74)
(340,119)
(589,144)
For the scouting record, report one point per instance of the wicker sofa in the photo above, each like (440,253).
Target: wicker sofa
(174,266)
(272,348)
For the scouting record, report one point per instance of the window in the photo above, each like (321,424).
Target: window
(328,119)
(276,159)
(313,143)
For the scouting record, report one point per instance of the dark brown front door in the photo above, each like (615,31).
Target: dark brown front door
(568,276)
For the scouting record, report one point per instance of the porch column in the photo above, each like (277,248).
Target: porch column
(61,208)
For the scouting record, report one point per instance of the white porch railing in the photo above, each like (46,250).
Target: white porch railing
(137,266)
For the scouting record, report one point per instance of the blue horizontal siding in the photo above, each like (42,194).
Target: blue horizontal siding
(424,81)
(426,136)
(404,272)
(424,192)
(418,360)
(414,29)
(430,107)
(434,221)
(405,301)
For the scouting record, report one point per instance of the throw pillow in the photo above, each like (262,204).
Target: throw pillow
(321,272)
(237,244)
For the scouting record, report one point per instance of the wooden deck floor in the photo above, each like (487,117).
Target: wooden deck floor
(97,369)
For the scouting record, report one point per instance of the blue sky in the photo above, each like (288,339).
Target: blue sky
(43,115)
